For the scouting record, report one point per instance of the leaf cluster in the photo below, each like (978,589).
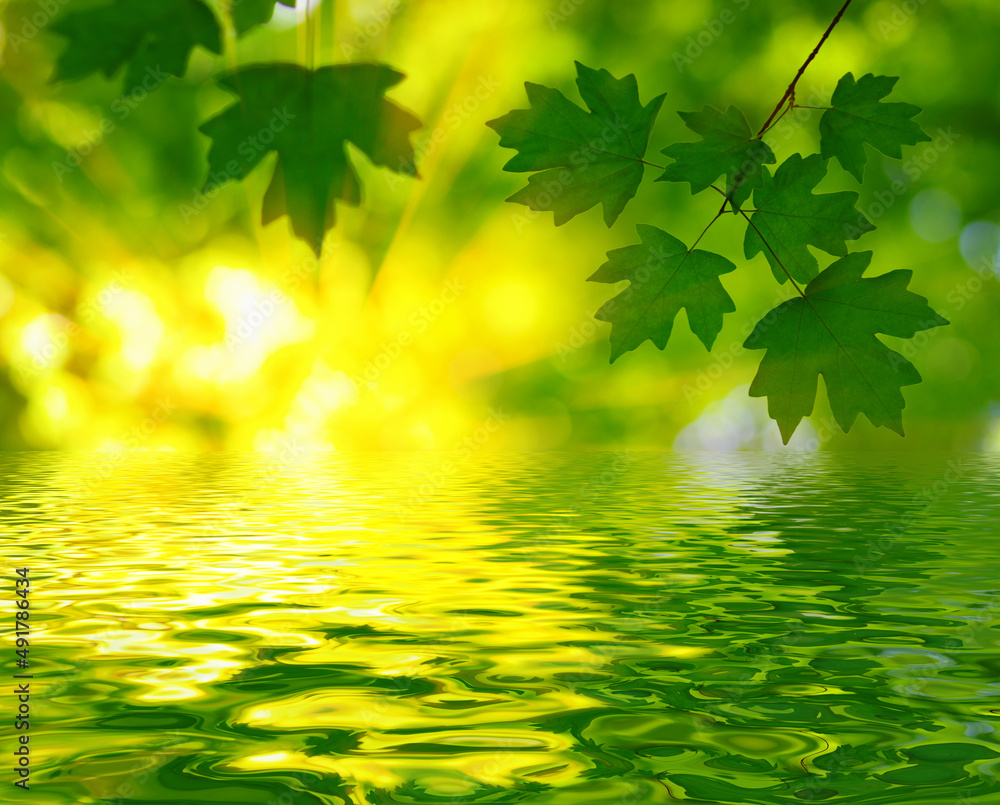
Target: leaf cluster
(580,158)
(307,116)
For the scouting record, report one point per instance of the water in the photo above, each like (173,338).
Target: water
(553,629)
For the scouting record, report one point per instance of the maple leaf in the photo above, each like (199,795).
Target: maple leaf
(832,332)
(789,217)
(664,276)
(727,147)
(308,117)
(153,37)
(249,14)
(585,158)
(858,116)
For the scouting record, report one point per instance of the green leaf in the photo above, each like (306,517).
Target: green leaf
(308,117)
(585,158)
(857,117)
(664,276)
(790,217)
(249,14)
(831,332)
(153,37)
(727,147)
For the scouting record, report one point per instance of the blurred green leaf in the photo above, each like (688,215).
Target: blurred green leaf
(308,117)
(727,147)
(789,217)
(249,14)
(664,277)
(153,37)
(831,332)
(585,158)
(859,117)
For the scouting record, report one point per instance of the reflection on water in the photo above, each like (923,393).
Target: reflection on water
(586,629)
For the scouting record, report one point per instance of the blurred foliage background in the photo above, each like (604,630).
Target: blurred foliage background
(439,316)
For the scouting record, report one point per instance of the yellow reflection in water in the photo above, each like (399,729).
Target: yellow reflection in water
(442,652)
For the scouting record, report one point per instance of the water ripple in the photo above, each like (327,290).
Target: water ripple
(540,629)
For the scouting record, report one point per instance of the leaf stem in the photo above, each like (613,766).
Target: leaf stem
(762,238)
(784,112)
(790,92)
(310,38)
(773,118)
(718,215)
(776,258)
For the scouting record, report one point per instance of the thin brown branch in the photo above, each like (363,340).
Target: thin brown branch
(790,92)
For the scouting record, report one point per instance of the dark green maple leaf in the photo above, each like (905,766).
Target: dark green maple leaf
(832,332)
(153,37)
(308,117)
(585,158)
(664,276)
(249,14)
(727,147)
(857,117)
(789,217)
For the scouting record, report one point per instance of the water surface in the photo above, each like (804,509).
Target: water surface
(547,629)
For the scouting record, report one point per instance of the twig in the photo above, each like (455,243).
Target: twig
(790,92)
